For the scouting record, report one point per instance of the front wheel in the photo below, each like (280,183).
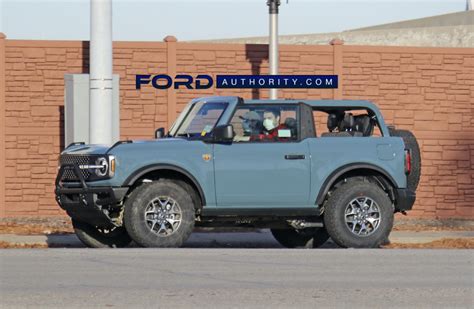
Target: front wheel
(359,214)
(159,214)
(303,238)
(94,237)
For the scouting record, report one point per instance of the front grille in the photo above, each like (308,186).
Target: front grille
(69,174)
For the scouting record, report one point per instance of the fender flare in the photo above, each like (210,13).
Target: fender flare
(347,168)
(157,167)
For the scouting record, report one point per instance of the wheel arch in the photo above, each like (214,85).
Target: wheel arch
(156,171)
(356,169)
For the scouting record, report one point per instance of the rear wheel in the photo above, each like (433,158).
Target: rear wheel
(303,238)
(159,214)
(95,237)
(359,214)
(413,179)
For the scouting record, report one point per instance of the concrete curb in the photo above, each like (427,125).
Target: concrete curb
(262,239)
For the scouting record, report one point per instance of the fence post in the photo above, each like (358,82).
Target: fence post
(2,126)
(171,92)
(337,45)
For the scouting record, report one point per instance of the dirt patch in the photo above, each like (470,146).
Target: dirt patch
(11,245)
(445,243)
(432,225)
(33,229)
(36,226)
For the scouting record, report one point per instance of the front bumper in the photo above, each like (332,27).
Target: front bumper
(405,199)
(92,205)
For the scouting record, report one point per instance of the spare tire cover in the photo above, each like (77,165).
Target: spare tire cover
(411,143)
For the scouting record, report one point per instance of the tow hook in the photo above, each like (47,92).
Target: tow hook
(83,199)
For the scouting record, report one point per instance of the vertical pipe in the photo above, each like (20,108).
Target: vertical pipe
(100,111)
(3,168)
(273,47)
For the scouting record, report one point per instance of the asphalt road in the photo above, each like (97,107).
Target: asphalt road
(238,278)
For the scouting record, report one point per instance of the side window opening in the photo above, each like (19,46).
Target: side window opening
(265,123)
(345,123)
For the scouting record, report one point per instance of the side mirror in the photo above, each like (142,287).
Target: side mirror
(223,133)
(159,133)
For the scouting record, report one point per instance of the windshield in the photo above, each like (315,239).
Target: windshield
(201,119)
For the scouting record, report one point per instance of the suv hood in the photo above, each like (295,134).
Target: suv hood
(86,149)
(102,149)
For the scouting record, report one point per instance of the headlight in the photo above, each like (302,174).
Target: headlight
(102,167)
(105,166)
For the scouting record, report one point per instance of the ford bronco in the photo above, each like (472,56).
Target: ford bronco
(307,170)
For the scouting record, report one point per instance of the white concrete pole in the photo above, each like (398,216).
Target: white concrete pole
(273,47)
(100,73)
(469,5)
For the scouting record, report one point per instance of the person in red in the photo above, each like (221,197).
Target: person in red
(271,125)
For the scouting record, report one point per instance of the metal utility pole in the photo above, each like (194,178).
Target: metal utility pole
(273,47)
(100,67)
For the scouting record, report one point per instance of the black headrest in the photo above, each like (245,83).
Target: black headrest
(347,122)
(333,122)
(290,122)
(364,125)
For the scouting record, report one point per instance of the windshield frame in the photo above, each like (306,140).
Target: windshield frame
(176,127)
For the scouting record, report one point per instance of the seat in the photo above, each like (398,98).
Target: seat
(333,121)
(344,124)
(332,124)
(363,124)
(291,124)
(336,134)
(347,125)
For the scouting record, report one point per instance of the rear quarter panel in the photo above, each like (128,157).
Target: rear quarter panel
(331,153)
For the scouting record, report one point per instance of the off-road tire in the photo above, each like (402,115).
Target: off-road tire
(134,214)
(94,237)
(307,238)
(413,179)
(334,215)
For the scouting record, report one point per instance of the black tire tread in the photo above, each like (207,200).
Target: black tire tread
(133,226)
(339,232)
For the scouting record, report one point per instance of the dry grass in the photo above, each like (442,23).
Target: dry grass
(445,243)
(33,229)
(429,228)
(403,223)
(11,245)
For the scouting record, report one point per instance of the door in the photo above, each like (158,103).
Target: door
(267,164)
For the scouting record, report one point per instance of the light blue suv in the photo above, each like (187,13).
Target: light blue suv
(308,170)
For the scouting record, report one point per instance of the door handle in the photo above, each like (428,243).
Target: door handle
(295,157)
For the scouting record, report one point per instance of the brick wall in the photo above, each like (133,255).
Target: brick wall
(427,90)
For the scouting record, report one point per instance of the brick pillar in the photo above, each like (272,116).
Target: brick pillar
(2,125)
(337,53)
(171,71)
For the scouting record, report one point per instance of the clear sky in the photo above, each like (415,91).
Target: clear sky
(152,20)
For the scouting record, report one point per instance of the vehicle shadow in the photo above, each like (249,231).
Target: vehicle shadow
(255,239)
(213,239)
